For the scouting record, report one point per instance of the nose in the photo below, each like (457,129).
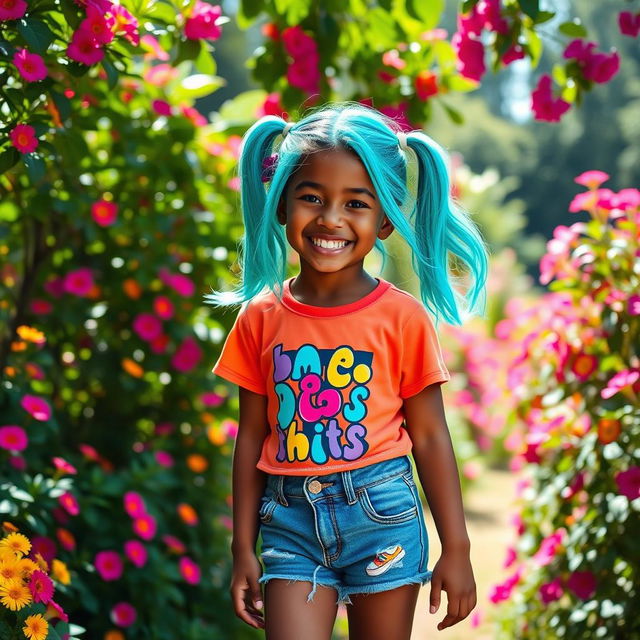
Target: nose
(330,217)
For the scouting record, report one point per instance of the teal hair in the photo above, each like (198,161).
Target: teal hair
(434,226)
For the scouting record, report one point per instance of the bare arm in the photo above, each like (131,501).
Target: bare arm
(438,472)
(248,487)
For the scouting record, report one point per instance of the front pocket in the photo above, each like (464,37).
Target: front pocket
(267,508)
(390,502)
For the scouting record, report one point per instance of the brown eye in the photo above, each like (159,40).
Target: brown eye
(357,204)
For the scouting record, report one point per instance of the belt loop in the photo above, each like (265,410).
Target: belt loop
(348,487)
(280,491)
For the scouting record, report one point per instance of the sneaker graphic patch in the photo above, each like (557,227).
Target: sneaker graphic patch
(385,559)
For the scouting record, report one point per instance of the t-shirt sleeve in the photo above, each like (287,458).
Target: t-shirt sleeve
(422,360)
(239,361)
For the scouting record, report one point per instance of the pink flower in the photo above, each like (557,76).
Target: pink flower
(109,565)
(633,305)
(582,583)
(392,59)
(585,201)
(271,106)
(297,43)
(54,610)
(161,107)
(502,591)
(164,458)
(30,65)
(136,552)
(598,67)
(470,55)
(45,546)
(23,138)
(548,548)
(36,406)
(179,283)
(226,522)
(190,570)
(123,614)
(13,438)
(104,213)
(147,326)
(629,482)
(84,48)
(628,23)
(160,74)
(40,307)
(621,380)
(145,526)
(550,591)
(543,104)
(399,114)
(164,428)
(204,21)
(230,427)
(41,586)
(153,48)
(98,24)
(304,74)
(18,462)
(592,179)
(125,23)
(175,545)
(12,9)
(211,399)
(134,504)
(194,115)
(187,355)
(63,465)
(514,52)
(511,557)
(79,282)
(69,503)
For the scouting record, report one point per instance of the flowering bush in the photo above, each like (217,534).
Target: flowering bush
(26,591)
(574,567)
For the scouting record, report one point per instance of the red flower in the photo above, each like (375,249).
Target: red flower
(426,84)
(23,138)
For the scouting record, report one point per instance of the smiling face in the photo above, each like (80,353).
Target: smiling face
(332,212)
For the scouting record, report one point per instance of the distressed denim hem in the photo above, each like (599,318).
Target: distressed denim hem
(314,582)
(345,592)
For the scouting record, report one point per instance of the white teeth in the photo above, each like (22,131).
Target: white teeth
(329,244)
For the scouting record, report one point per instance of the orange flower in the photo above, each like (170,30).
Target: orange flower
(197,462)
(132,368)
(132,288)
(30,334)
(9,526)
(188,514)
(216,435)
(608,430)
(114,634)
(60,572)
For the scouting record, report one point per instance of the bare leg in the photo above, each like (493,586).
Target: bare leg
(288,615)
(387,615)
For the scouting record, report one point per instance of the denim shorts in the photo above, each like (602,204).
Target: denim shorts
(359,531)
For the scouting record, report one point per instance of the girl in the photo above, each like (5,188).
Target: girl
(339,379)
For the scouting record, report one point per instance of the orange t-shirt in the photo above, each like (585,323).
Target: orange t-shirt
(335,377)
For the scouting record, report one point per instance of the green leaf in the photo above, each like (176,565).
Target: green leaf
(295,11)
(382,31)
(112,73)
(62,103)
(8,158)
(533,46)
(163,12)
(429,13)
(70,11)
(36,33)
(453,114)
(248,11)
(461,84)
(242,109)
(35,166)
(187,50)
(530,7)
(573,29)
(197,86)
(205,62)
(544,16)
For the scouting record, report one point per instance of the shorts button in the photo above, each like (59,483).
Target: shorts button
(315,486)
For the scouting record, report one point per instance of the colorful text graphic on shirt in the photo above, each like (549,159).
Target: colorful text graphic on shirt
(322,396)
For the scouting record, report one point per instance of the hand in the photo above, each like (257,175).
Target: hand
(454,574)
(245,590)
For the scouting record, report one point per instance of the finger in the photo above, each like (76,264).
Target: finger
(453,606)
(434,597)
(238,599)
(256,595)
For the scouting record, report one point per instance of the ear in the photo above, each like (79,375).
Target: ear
(281,212)
(386,228)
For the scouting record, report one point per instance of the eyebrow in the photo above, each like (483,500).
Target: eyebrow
(317,185)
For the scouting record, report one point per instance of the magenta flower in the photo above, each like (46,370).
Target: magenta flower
(41,586)
(510,557)
(59,611)
(621,380)
(30,65)
(136,552)
(204,22)
(175,545)
(598,67)
(513,53)
(40,307)
(399,114)
(629,24)
(13,438)
(123,614)
(187,355)
(23,138)
(211,399)
(69,503)
(164,428)
(190,570)
(125,23)
(548,548)
(226,522)
(134,504)
(271,106)
(502,591)
(629,482)
(179,283)
(162,107)
(304,73)
(592,179)
(12,9)
(297,43)
(84,48)
(104,212)
(79,281)
(550,591)
(470,55)
(582,583)
(36,406)
(153,48)
(18,462)
(164,458)
(544,105)
(633,305)
(98,24)
(63,465)
(147,326)
(109,565)
(160,74)
(230,427)
(45,546)
(145,526)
